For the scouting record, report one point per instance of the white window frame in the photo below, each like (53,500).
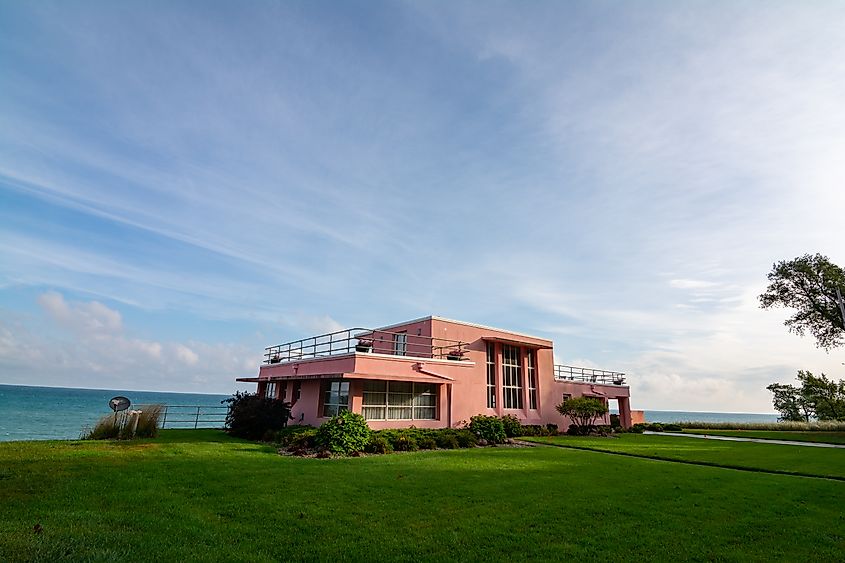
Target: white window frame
(491,375)
(338,406)
(270,390)
(531,363)
(511,377)
(400,343)
(416,406)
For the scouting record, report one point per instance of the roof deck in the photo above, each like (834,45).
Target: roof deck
(589,375)
(365,340)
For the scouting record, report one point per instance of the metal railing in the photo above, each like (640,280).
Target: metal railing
(193,416)
(366,340)
(572,373)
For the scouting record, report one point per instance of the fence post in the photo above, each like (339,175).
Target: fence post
(164,420)
(197,419)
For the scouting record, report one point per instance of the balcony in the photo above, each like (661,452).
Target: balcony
(589,375)
(365,341)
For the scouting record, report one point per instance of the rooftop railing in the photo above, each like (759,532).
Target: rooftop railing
(365,340)
(589,375)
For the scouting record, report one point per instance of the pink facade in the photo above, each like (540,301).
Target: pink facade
(431,373)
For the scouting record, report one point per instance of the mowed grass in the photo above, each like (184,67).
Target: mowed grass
(798,436)
(799,460)
(199,495)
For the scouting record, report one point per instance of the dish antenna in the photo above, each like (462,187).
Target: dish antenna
(119,404)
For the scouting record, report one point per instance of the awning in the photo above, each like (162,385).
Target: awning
(516,342)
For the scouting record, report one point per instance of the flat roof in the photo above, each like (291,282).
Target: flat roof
(455,321)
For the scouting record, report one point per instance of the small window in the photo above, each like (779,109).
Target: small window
(532,379)
(335,398)
(400,343)
(270,390)
(297,390)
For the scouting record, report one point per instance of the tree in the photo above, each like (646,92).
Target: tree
(812,285)
(582,411)
(818,397)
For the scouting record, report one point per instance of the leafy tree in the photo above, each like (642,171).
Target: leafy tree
(818,397)
(252,416)
(582,411)
(809,285)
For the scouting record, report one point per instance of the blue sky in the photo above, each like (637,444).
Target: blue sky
(182,184)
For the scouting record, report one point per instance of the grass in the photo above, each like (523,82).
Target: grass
(200,495)
(798,436)
(798,460)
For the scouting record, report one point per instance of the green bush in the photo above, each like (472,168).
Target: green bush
(672,428)
(511,425)
(286,435)
(405,442)
(582,413)
(552,428)
(345,433)
(655,427)
(378,445)
(615,421)
(466,438)
(427,442)
(303,440)
(488,428)
(639,427)
(250,415)
(447,440)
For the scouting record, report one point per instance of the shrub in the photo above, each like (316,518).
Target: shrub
(614,420)
(405,442)
(489,428)
(447,440)
(343,434)
(427,443)
(250,415)
(466,438)
(672,428)
(125,425)
(303,440)
(655,427)
(637,428)
(604,430)
(582,412)
(552,428)
(575,430)
(378,445)
(286,435)
(512,426)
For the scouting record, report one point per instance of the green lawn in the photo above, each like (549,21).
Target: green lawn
(801,460)
(198,495)
(798,436)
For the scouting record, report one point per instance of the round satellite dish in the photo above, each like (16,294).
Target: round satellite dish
(119,403)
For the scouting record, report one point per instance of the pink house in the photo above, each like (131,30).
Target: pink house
(430,373)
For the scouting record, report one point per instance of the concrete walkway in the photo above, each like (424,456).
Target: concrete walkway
(738,439)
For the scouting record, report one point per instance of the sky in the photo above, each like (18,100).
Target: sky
(185,183)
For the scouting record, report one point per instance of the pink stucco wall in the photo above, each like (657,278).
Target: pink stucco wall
(462,385)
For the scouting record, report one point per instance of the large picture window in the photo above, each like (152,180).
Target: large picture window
(511,377)
(491,375)
(531,365)
(399,400)
(335,397)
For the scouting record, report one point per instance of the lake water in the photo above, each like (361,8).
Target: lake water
(44,413)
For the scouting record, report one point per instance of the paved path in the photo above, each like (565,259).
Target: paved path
(738,439)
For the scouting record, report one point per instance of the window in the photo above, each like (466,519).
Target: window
(297,391)
(335,397)
(399,400)
(511,377)
(400,343)
(566,397)
(270,390)
(491,375)
(532,378)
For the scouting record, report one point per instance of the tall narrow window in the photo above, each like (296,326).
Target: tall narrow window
(511,377)
(491,375)
(270,390)
(335,397)
(531,363)
(297,391)
(400,343)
